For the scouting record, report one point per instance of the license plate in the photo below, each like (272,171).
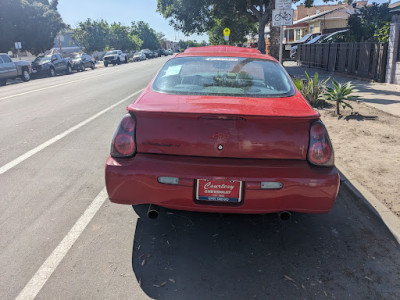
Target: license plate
(219,190)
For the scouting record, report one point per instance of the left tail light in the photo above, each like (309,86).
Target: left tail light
(123,143)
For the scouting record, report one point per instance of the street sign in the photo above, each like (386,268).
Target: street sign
(227,32)
(18,45)
(282,17)
(283,4)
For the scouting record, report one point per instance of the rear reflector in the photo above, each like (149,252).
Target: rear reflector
(271,185)
(168,180)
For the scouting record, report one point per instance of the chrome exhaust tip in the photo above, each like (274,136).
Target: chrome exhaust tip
(285,215)
(153,211)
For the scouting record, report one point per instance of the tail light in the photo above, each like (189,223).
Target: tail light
(320,151)
(123,143)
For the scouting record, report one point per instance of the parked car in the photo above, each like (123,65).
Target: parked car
(305,39)
(81,61)
(161,52)
(50,65)
(149,54)
(335,37)
(12,70)
(114,57)
(169,52)
(222,129)
(139,56)
(293,50)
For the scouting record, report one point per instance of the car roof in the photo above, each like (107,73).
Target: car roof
(224,51)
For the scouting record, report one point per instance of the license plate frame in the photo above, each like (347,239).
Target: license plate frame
(219,190)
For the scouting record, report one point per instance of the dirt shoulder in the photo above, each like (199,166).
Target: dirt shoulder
(367,143)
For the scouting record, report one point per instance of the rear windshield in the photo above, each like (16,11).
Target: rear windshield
(224,76)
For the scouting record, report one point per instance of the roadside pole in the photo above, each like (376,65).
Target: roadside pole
(280,43)
(282,15)
(18,46)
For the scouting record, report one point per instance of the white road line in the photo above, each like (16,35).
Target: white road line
(53,86)
(38,280)
(39,148)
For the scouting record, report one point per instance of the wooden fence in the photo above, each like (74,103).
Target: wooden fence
(366,60)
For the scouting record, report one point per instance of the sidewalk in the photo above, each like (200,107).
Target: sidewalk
(367,155)
(382,96)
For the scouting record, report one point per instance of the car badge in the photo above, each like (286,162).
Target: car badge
(220,147)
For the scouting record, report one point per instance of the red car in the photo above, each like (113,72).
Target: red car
(222,129)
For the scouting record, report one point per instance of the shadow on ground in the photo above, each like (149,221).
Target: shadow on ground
(345,254)
(358,117)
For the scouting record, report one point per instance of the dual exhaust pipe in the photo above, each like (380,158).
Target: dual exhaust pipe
(154,211)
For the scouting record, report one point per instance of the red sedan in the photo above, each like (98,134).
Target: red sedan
(223,129)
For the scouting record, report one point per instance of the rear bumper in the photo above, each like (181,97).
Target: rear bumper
(305,189)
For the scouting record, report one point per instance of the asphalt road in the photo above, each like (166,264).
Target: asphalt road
(54,140)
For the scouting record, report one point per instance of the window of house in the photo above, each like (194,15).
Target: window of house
(312,26)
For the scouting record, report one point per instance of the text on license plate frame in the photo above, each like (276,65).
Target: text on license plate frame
(237,190)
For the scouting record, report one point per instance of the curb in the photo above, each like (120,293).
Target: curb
(391,220)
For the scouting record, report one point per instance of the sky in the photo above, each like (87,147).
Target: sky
(124,11)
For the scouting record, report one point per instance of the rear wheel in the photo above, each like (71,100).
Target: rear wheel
(68,70)
(3,82)
(106,64)
(25,75)
(82,67)
(92,65)
(52,72)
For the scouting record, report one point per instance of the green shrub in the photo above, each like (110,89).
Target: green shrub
(312,89)
(340,93)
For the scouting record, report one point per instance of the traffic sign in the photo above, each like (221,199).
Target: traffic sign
(282,17)
(18,45)
(227,32)
(283,4)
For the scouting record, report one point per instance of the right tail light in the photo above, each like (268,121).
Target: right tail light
(320,151)
(123,143)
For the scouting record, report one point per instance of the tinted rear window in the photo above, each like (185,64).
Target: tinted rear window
(224,76)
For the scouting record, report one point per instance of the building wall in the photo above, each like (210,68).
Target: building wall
(393,60)
(333,23)
(302,11)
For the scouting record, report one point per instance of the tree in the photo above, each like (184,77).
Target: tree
(370,23)
(146,34)
(122,38)
(199,16)
(240,27)
(34,23)
(92,35)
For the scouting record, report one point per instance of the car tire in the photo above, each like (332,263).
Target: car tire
(92,66)
(3,82)
(82,68)
(52,72)
(25,75)
(106,64)
(118,61)
(126,60)
(68,70)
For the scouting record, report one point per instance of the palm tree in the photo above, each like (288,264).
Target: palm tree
(340,93)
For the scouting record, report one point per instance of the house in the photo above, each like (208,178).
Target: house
(324,21)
